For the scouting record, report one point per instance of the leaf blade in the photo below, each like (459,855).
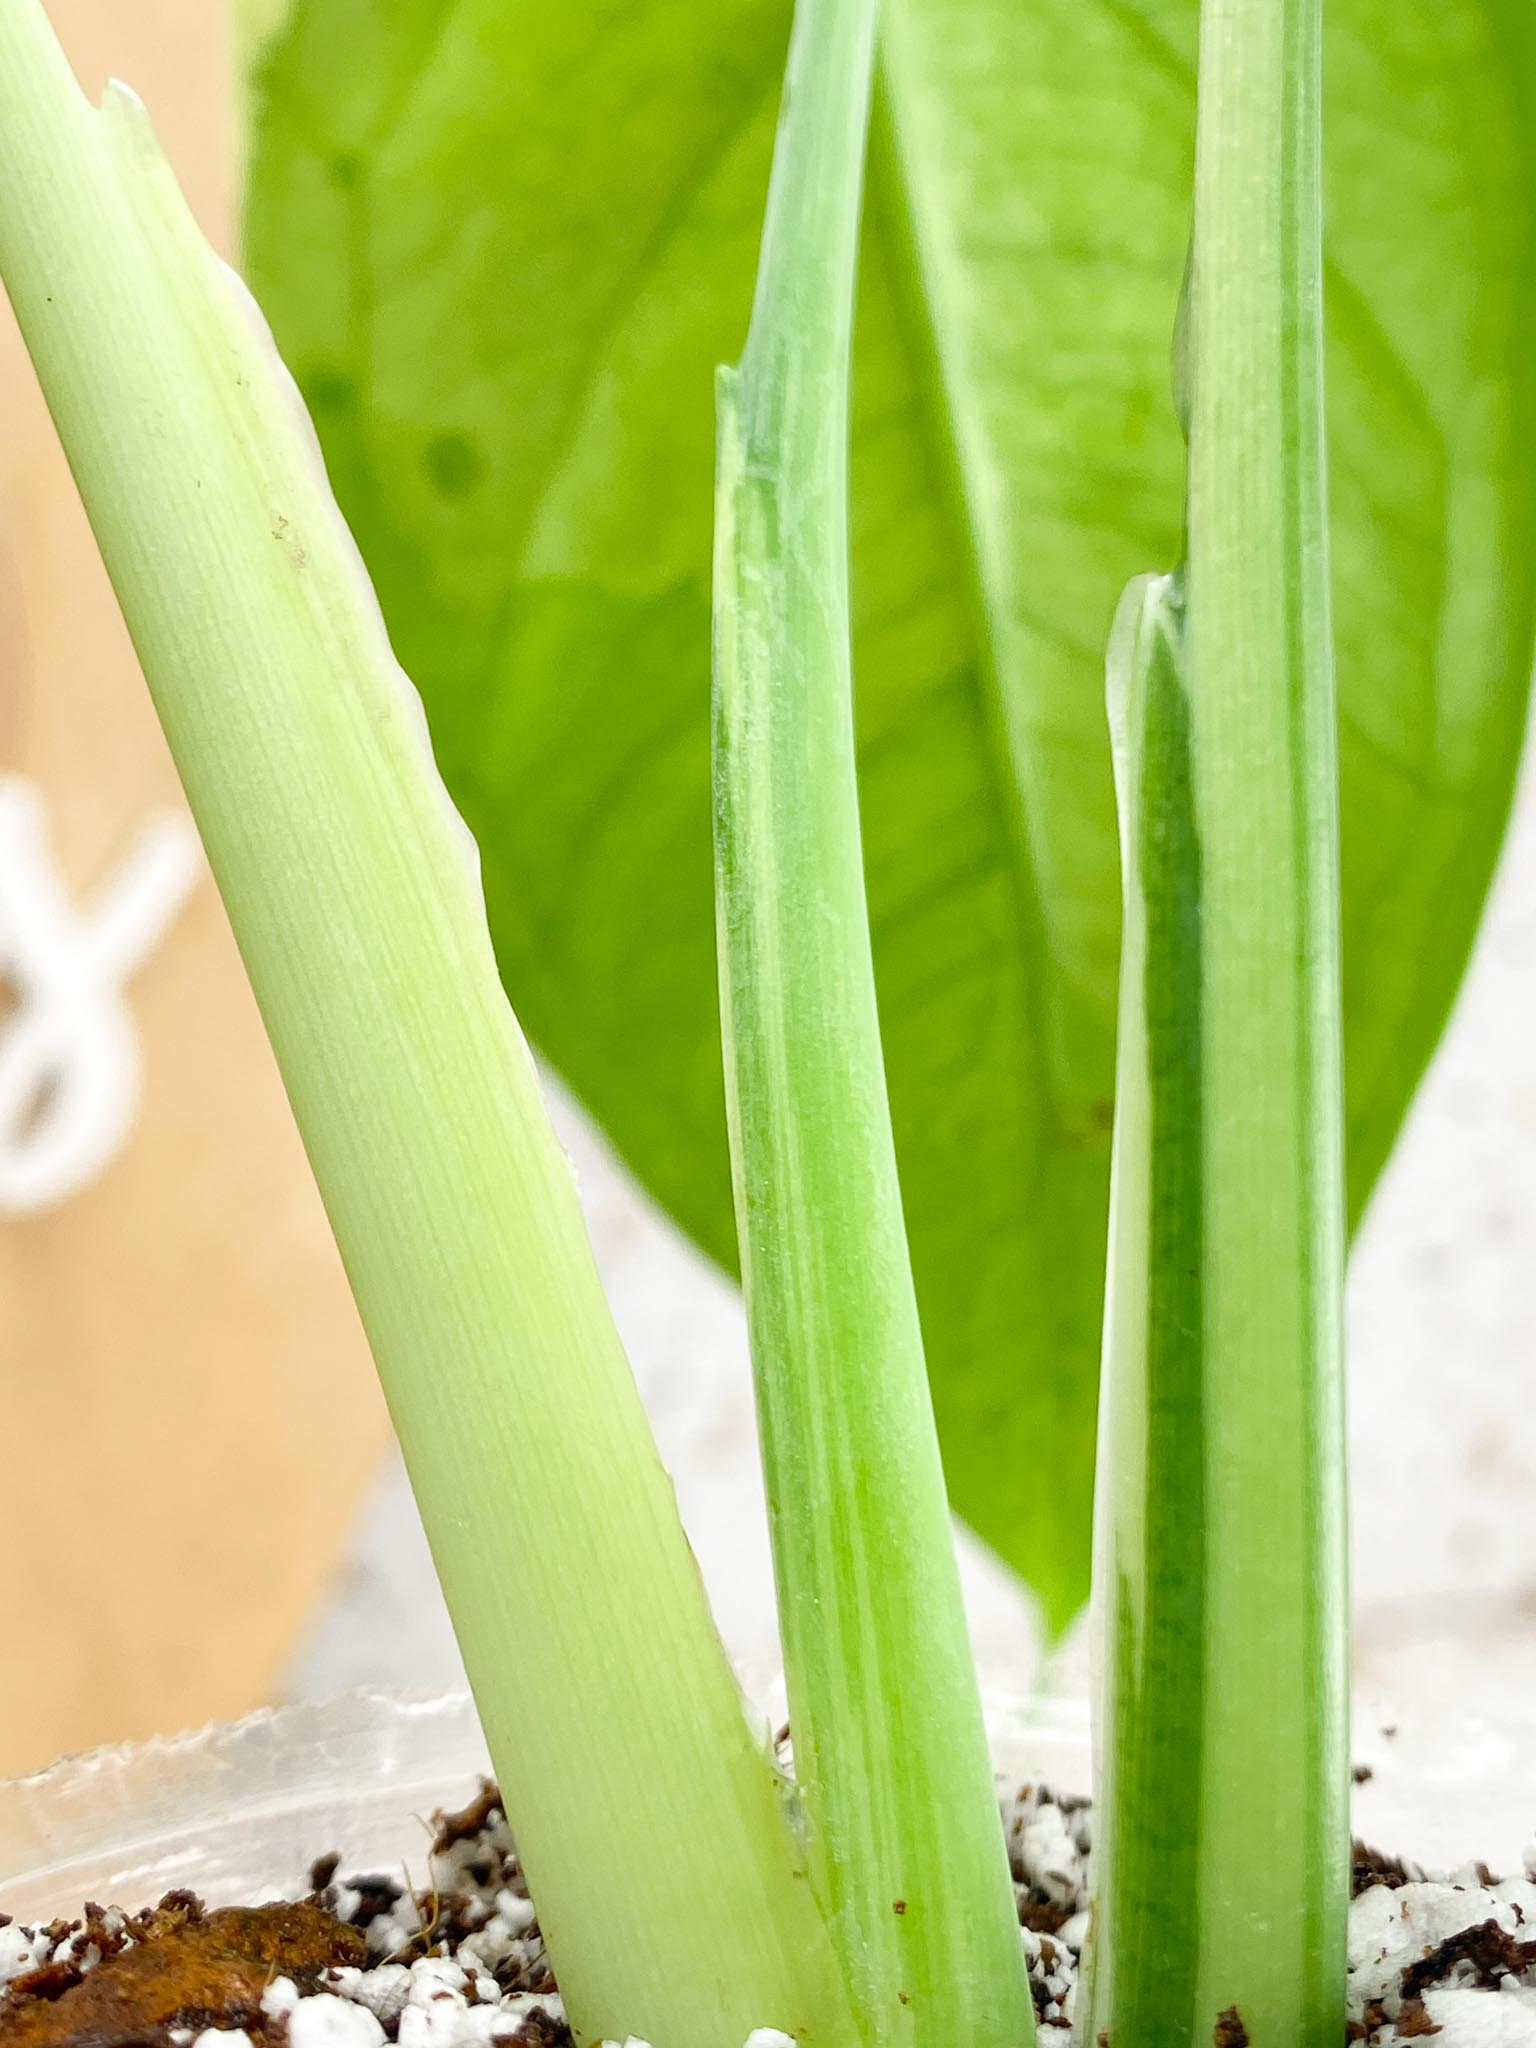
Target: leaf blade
(1068,255)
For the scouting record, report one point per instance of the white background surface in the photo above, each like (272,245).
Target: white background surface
(1442,1360)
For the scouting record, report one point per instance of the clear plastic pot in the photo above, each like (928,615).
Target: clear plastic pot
(239,1811)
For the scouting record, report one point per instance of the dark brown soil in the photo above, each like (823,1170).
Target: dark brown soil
(176,1965)
(1370,1867)
(1493,1955)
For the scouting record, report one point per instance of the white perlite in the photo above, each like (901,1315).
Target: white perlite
(1433,1958)
(1392,1930)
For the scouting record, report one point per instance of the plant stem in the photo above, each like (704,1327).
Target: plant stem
(906,1848)
(1222,1844)
(651,1821)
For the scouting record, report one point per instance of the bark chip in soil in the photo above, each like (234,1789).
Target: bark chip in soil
(182,1967)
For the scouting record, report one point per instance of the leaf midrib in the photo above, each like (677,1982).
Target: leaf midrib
(917,298)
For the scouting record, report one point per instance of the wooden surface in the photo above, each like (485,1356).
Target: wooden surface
(188,1408)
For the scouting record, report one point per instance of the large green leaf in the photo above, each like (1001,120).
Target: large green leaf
(504,244)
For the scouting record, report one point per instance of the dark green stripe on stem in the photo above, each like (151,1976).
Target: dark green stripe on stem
(1160,1650)
(1153,1572)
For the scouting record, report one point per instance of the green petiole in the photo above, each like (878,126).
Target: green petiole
(906,1851)
(1222,1836)
(670,1884)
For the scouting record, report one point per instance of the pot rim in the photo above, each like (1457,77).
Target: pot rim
(234,1803)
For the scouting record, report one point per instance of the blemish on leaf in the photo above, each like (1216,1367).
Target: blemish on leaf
(454,464)
(328,390)
(280,532)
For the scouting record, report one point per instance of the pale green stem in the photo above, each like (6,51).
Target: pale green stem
(1222,1845)
(906,1848)
(649,1817)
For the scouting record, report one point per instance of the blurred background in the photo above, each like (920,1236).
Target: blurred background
(199,1501)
